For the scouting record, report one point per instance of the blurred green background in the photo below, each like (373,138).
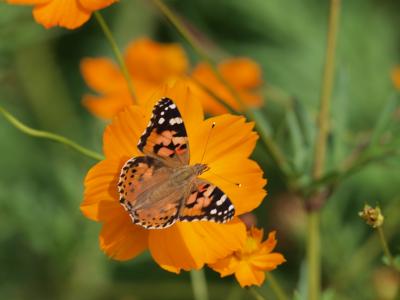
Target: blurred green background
(48,250)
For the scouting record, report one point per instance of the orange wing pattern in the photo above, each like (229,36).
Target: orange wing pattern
(165,136)
(138,180)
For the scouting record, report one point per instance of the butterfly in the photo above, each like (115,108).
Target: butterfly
(160,188)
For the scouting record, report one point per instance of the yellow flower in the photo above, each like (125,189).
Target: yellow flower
(65,13)
(150,64)
(250,263)
(243,74)
(184,245)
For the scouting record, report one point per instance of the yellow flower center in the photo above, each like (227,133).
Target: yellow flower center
(251,245)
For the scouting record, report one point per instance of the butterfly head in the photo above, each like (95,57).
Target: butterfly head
(199,169)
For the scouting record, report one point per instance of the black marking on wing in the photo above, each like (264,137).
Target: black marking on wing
(219,210)
(164,111)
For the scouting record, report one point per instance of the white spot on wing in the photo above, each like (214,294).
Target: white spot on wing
(161,120)
(222,200)
(213,211)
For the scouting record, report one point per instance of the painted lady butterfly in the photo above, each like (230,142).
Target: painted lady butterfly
(161,188)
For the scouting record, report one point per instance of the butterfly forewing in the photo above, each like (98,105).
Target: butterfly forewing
(206,202)
(166,137)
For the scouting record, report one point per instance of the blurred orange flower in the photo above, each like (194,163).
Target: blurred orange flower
(250,263)
(396,77)
(65,13)
(150,64)
(243,74)
(184,245)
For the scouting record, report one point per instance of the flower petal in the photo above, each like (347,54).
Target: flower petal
(246,275)
(230,132)
(102,75)
(27,2)
(241,72)
(122,240)
(106,107)
(266,261)
(258,234)
(101,195)
(93,5)
(190,245)
(122,135)
(269,244)
(226,173)
(65,13)
(161,62)
(226,266)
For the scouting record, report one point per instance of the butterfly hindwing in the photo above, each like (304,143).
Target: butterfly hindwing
(139,178)
(206,202)
(166,136)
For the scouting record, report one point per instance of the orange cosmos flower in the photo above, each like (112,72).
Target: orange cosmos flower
(149,63)
(396,77)
(65,13)
(243,74)
(184,245)
(250,263)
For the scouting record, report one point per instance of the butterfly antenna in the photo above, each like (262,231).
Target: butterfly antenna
(208,138)
(238,184)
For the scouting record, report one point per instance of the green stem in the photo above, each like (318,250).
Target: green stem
(385,247)
(326,91)
(273,149)
(313,243)
(255,293)
(276,288)
(199,284)
(313,256)
(118,55)
(174,20)
(48,135)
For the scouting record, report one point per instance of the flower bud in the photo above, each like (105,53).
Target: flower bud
(372,216)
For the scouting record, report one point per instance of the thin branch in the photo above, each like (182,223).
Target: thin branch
(117,52)
(313,243)
(48,135)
